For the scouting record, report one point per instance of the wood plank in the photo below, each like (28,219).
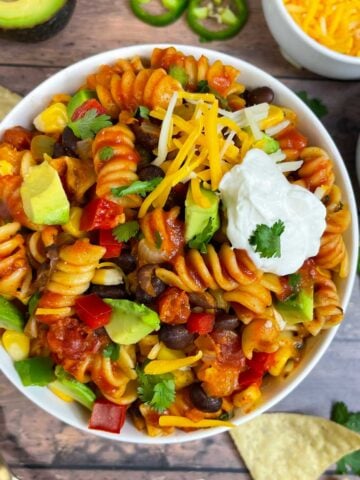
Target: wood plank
(100,26)
(53,474)
(31,437)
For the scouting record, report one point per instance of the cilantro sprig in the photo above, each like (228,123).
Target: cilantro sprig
(266,240)
(112,351)
(340,414)
(157,391)
(125,231)
(200,241)
(315,104)
(90,124)
(139,187)
(142,112)
(33,302)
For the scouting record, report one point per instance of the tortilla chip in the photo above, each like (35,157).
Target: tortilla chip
(281,446)
(8,100)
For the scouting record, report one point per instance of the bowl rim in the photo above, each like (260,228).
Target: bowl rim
(144,50)
(332,54)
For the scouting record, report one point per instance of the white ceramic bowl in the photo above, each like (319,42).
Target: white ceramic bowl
(69,80)
(302,51)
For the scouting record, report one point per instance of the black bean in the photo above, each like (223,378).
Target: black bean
(126,262)
(202,299)
(149,282)
(109,291)
(149,172)
(226,321)
(69,140)
(260,95)
(176,337)
(202,401)
(142,297)
(59,150)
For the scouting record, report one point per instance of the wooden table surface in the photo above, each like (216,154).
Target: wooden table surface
(39,447)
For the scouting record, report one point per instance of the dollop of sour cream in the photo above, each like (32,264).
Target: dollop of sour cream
(257,192)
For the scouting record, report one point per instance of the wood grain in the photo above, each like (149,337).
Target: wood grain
(40,447)
(105,25)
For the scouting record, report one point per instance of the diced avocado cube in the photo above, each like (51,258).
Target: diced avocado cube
(197,218)
(298,309)
(10,317)
(68,385)
(78,99)
(130,322)
(43,196)
(267,144)
(35,371)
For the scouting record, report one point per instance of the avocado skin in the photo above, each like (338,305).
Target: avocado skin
(43,31)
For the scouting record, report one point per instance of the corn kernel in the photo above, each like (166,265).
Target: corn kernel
(183,378)
(6,168)
(17,344)
(247,398)
(60,394)
(53,119)
(280,359)
(73,225)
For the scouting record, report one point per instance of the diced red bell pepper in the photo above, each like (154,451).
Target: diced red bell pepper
(107,240)
(100,214)
(260,362)
(249,377)
(91,104)
(201,323)
(93,311)
(107,416)
(292,138)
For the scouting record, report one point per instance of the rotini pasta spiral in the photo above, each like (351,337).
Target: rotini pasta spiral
(120,169)
(15,271)
(221,78)
(317,169)
(38,242)
(196,272)
(71,277)
(327,307)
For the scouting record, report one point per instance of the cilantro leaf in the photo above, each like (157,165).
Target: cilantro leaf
(106,153)
(200,241)
(266,240)
(294,280)
(142,112)
(111,351)
(157,391)
(315,104)
(180,74)
(139,187)
(340,414)
(158,240)
(33,302)
(89,125)
(125,231)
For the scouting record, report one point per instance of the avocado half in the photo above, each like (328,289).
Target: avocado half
(33,20)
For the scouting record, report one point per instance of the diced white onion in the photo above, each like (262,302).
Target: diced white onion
(278,156)
(108,273)
(290,166)
(165,132)
(271,131)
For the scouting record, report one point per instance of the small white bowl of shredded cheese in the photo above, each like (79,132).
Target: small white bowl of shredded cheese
(301,50)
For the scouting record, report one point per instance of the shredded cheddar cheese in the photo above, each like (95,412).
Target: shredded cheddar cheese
(158,367)
(333,23)
(183,422)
